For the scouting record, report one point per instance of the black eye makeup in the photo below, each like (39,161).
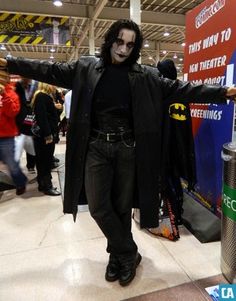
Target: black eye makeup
(120,42)
(130,45)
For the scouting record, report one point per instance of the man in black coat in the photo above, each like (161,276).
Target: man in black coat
(114,140)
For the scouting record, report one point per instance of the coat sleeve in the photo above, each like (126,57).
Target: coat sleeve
(11,103)
(58,74)
(190,93)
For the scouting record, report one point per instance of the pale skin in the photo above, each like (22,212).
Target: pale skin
(123,46)
(2,89)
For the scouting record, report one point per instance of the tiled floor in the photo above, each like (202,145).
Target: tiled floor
(194,291)
(45,256)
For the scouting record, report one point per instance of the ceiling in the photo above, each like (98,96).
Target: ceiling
(157,16)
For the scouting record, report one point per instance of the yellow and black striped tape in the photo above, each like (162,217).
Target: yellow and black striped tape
(25,29)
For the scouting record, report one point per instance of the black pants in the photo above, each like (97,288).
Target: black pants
(30,159)
(44,155)
(109,184)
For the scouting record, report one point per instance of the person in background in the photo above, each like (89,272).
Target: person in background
(114,155)
(67,104)
(9,107)
(63,121)
(25,89)
(46,118)
(179,138)
(58,102)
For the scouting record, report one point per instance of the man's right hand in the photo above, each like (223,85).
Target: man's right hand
(3,63)
(4,75)
(2,89)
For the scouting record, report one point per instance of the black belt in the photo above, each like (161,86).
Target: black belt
(113,136)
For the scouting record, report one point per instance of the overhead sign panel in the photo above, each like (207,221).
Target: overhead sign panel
(31,29)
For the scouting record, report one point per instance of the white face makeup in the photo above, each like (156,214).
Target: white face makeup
(123,46)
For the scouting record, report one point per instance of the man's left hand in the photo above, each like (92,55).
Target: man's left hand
(231,92)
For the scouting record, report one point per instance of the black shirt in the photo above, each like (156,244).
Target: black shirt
(111,110)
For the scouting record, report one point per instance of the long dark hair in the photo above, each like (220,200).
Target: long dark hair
(111,36)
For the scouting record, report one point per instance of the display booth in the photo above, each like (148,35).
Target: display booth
(209,59)
(210,55)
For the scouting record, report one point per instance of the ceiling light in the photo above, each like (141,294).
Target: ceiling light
(146,44)
(183,44)
(164,51)
(2,47)
(175,56)
(52,50)
(166,34)
(51,57)
(57,2)
(181,59)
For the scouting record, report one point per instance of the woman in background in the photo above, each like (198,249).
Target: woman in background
(46,118)
(9,108)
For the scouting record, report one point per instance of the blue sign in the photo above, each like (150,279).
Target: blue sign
(212,127)
(227,292)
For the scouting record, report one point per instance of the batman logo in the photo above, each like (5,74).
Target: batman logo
(178,111)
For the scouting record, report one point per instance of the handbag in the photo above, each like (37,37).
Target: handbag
(168,227)
(35,129)
(29,119)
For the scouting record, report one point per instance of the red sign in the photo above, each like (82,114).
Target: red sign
(210,42)
(210,56)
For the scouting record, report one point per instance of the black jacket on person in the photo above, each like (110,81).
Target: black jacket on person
(45,114)
(178,136)
(179,140)
(24,118)
(149,96)
(24,109)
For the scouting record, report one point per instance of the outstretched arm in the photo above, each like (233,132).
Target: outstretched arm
(187,91)
(58,74)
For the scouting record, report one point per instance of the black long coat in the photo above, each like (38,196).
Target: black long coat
(149,94)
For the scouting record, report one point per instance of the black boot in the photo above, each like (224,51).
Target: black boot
(52,191)
(113,269)
(45,186)
(128,267)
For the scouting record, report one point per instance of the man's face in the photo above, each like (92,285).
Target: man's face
(26,82)
(123,46)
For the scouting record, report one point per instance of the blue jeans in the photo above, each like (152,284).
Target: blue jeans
(7,150)
(109,185)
